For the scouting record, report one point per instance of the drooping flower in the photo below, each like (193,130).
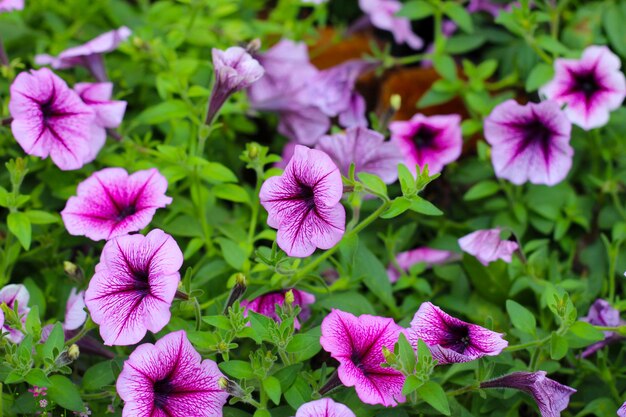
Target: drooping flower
(234,70)
(452,340)
(88,55)
(170,378)
(434,141)
(382,14)
(357,343)
(530,142)
(425,255)
(365,148)
(49,119)
(602,313)
(10,295)
(266,304)
(304,203)
(10,5)
(487,246)
(551,397)
(590,87)
(324,407)
(134,285)
(112,203)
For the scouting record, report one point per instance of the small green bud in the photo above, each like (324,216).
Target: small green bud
(395,102)
(289,298)
(73,352)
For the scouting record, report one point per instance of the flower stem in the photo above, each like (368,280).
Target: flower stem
(534,343)
(89,325)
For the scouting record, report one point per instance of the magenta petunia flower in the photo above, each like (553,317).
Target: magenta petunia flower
(324,407)
(602,313)
(304,203)
(49,119)
(487,246)
(489,6)
(590,87)
(134,285)
(112,203)
(357,343)
(425,255)
(170,379)
(365,148)
(10,295)
(10,5)
(452,340)
(266,304)
(550,396)
(382,14)
(434,141)
(530,142)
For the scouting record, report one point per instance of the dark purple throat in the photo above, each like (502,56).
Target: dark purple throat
(424,136)
(458,339)
(587,83)
(162,390)
(124,212)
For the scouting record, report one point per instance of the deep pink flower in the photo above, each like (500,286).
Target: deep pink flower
(452,340)
(434,141)
(324,407)
(170,379)
(134,285)
(266,304)
(112,203)
(425,255)
(49,119)
(382,14)
(365,148)
(487,246)
(550,396)
(357,343)
(9,5)
(530,142)
(602,313)
(590,87)
(304,203)
(88,55)
(10,295)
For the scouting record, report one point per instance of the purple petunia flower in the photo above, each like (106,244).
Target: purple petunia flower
(434,141)
(425,255)
(324,407)
(234,70)
(601,313)
(489,6)
(266,304)
(550,396)
(487,246)
(10,5)
(357,343)
(452,340)
(529,143)
(304,203)
(382,14)
(590,87)
(49,119)
(134,285)
(10,295)
(88,55)
(112,203)
(365,148)
(170,378)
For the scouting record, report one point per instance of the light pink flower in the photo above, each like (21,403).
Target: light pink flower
(382,14)
(324,407)
(266,304)
(10,5)
(75,316)
(425,255)
(134,285)
(10,295)
(49,119)
(357,343)
(489,6)
(622,411)
(304,203)
(487,246)
(170,378)
(112,203)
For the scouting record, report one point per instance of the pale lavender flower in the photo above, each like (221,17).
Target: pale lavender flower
(489,6)
(324,407)
(266,304)
(425,255)
(382,14)
(10,295)
(10,5)
(622,411)
(487,246)
(601,313)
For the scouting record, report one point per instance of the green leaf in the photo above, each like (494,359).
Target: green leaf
(221,322)
(459,15)
(552,45)
(216,173)
(55,343)
(261,325)
(407,180)
(416,9)
(540,75)
(433,394)
(558,347)
(445,66)
(481,190)
(374,275)
(41,217)
(398,206)
(271,385)
(613,22)
(462,43)
(424,354)
(373,182)
(411,384)
(19,225)
(163,112)
(586,331)
(432,98)
(64,392)
(299,393)
(37,377)
(521,318)
(98,376)
(419,205)
(237,369)
(305,345)
(406,353)
(231,192)
(233,254)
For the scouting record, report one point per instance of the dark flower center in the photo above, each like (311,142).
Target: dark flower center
(125,212)
(141,280)
(47,109)
(458,339)
(307,195)
(586,83)
(162,390)
(535,132)
(424,136)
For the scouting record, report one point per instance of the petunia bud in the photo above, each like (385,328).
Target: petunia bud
(395,102)
(231,387)
(73,271)
(238,290)
(73,352)
(289,298)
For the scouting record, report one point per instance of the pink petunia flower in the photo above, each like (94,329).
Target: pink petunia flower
(357,343)
(304,203)
(590,87)
(602,313)
(425,255)
(112,203)
(134,285)
(382,14)
(266,304)
(489,6)
(530,142)
(324,407)
(88,55)
(551,397)
(49,119)
(10,5)
(452,340)
(434,141)
(75,315)
(487,246)
(10,295)
(170,378)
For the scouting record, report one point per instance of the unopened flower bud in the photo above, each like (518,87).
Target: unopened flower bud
(231,387)
(388,355)
(289,298)
(253,46)
(73,271)
(237,292)
(395,102)
(73,352)
(253,151)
